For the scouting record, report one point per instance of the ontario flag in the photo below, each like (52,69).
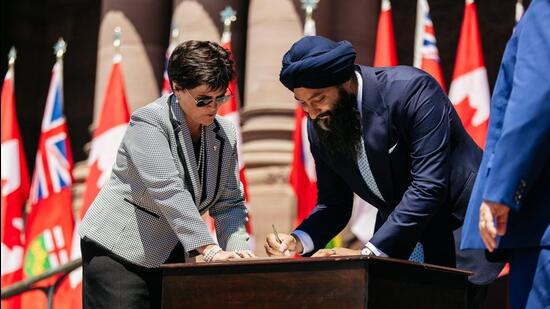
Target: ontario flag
(469,89)
(384,53)
(15,191)
(426,55)
(50,221)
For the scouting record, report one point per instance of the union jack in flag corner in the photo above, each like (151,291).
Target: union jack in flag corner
(50,220)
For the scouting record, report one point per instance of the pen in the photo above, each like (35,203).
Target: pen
(276,234)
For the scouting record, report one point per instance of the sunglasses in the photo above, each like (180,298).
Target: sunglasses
(202,102)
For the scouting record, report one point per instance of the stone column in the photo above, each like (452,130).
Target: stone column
(268,115)
(145,28)
(194,21)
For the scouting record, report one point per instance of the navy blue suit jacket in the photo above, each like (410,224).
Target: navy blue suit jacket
(425,181)
(515,170)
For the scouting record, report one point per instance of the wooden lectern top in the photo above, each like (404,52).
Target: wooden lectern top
(329,282)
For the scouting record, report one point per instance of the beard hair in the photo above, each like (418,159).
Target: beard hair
(340,133)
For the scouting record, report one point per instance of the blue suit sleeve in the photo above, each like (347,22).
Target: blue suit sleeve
(523,143)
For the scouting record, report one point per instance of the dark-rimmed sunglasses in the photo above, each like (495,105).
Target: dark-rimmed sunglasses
(206,101)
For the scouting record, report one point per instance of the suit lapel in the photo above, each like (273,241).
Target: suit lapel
(183,136)
(214,155)
(375,126)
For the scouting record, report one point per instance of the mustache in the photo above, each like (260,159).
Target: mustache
(323,120)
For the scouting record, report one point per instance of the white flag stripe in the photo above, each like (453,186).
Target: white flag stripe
(58,235)
(40,174)
(63,257)
(52,258)
(57,163)
(75,277)
(48,240)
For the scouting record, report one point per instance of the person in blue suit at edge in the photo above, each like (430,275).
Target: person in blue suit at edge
(509,210)
(391,136)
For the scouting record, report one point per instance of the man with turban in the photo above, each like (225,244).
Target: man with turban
(391,136)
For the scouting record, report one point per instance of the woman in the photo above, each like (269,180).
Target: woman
(176,161)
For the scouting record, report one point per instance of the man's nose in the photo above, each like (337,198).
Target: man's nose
(311,111)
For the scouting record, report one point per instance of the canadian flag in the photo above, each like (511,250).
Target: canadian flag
(15,191)
(469,89)
(426,55)
(384,53)
(50,223)
(111,126)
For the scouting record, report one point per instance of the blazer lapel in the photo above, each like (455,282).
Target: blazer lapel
(185,144)
(214,162)
(375,126)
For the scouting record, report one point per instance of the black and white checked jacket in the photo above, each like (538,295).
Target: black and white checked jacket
(154,196)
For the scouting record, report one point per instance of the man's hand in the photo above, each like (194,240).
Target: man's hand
(336,252)
(490,212)
(288,245)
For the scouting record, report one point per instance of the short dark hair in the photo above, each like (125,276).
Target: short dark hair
(195,63)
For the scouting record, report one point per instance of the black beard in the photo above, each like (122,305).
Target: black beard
(340,134)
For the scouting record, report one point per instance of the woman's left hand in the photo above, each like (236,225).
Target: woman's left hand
(336,252)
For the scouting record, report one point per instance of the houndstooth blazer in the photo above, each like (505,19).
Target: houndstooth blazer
(155,196)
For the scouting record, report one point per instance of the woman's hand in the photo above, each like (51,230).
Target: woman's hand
(213,253)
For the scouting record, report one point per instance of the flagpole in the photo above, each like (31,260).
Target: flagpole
(60,48)
(309,24)
(227,16)
(117,41)
(174,34)
(12,56)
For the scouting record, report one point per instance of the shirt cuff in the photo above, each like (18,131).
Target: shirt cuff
(305,239)
(375,250)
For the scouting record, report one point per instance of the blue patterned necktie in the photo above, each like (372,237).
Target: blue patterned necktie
(418,254)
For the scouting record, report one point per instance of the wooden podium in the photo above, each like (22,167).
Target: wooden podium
(334,282)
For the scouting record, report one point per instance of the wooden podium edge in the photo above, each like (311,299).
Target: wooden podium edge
(285,260)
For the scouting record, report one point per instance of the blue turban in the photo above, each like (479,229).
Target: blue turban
(317,62)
